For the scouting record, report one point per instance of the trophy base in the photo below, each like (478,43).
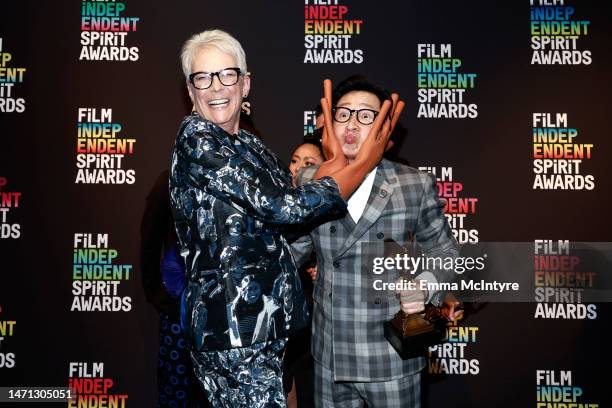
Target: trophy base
(415,344)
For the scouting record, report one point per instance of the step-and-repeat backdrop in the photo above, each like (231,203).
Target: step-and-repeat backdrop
(508,104)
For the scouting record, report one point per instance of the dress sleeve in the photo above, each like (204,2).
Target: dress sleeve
(241,180)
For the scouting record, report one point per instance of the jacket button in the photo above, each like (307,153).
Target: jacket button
(382,193)
(332,229)
(336,263)
(380,235)
(377,301)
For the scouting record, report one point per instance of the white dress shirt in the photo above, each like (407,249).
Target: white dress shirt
(356,204)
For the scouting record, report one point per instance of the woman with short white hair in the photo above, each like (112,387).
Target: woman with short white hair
(232,199)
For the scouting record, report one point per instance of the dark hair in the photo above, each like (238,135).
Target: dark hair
(314,137)
(358,83)
(315,143)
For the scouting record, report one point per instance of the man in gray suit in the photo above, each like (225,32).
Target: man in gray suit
(354,363)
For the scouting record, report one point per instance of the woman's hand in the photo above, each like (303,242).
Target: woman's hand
(331,145)
(332,150)
(378,142)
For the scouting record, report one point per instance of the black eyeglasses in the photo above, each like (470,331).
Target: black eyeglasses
(364,116)
(203,80)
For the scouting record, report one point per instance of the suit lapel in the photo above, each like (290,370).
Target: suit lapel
(348,223)
(382,189)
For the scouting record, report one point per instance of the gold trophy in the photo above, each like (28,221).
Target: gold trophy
(411,334)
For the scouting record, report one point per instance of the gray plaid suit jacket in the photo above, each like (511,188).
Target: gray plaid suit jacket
(348,335)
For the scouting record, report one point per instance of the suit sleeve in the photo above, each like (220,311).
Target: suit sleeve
(240,181)
(434,235)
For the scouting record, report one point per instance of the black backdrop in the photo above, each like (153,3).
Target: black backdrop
(490,154)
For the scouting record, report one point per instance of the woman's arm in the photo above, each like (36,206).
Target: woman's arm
(219,170)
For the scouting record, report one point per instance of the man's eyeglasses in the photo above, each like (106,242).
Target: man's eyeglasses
(364,116)
(203,80)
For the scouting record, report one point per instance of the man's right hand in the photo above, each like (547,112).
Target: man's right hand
(411,300)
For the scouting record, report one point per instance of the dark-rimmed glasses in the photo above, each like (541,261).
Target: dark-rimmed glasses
(364,116)
(203,80)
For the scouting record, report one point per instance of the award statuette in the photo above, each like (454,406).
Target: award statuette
(411,334)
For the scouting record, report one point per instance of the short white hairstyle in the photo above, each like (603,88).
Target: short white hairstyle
(218,39)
